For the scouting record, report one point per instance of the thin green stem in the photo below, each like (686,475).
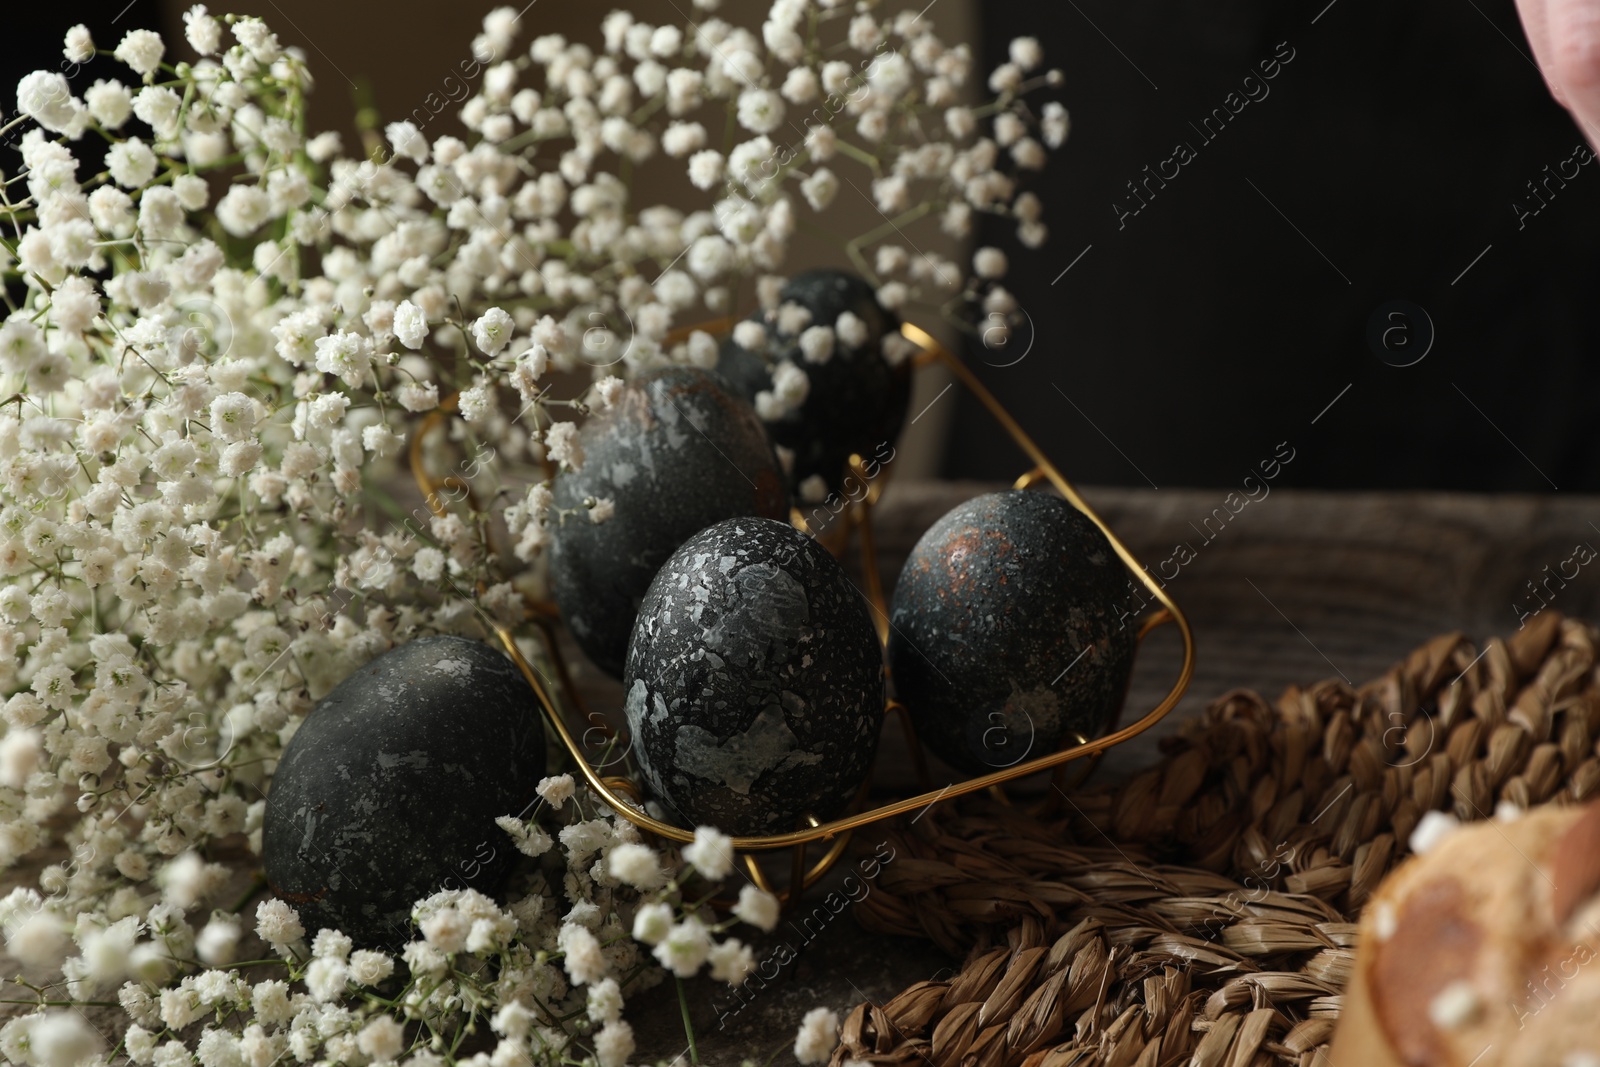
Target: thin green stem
(688,1027)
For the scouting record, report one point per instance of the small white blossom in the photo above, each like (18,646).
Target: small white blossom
(584,962)
(818,1034)
(407,141)
(614,1044)
(203,31)
(756,907)
(652,922)
(685,947)
(711,851)
(682,138)
(556,790)
(45,97)
(141,50)
(79,45)
(1026,53)
(1055,123)
(989,262)
(561,445)
(731,962)
(820,188)
(277,923)
(382,1039)
(637,865)
(410,324)
(816,344)
(492,331)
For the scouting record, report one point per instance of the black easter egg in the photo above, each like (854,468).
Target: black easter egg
(754,682)
(677,451)
(390,789)
(1007,635)
(857,398)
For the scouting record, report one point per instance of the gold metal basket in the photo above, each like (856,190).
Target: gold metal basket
(624,794)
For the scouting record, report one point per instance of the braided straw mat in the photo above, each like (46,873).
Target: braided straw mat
(1204,911)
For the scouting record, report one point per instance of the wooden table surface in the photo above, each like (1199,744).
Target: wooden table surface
(1295,587)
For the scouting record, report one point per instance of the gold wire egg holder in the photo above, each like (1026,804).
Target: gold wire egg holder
(623,793)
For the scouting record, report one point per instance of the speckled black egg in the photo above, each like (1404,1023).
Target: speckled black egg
(390,789)
(754,682)
(677,451)
(857,398)
(1007,634)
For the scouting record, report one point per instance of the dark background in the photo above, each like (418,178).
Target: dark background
(1208,329)
(1227,315)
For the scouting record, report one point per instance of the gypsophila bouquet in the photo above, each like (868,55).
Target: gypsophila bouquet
(215,350)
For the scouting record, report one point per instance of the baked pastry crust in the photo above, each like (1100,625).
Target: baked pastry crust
(1482,952)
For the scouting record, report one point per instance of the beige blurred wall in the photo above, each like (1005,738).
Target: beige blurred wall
(392,55)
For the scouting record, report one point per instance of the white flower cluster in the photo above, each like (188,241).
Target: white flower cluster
(548,972)
(214,350)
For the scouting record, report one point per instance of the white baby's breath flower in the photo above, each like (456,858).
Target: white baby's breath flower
(446,931)
(418,396)
(109,103)
(382,1039)
(706,168)
(750,335)
(62,1039)
(682,138)
(476,403)
(45,97)
(556,790)
(731,961)
(584,961)
(652,922)
(636,865)
(817,1036)
(428,564)
(756,907)
(711,851)
(820,188)
(233,416)
(346,354)
(561,445)
(800,86)
(492,331)
(407,141)
(760,110)
(277,923)
(243,210)
(1055,123)
(1026,53)
(816,344)
(79,45)
(330,944)
(604,1002)
(217,942)
(685,947)
(141,50)
(1006,79)
(614,1044)
(989,263)
(203,31)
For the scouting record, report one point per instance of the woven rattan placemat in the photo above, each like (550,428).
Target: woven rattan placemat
(1204,911)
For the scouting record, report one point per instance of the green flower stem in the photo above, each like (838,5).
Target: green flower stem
(688,1027)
